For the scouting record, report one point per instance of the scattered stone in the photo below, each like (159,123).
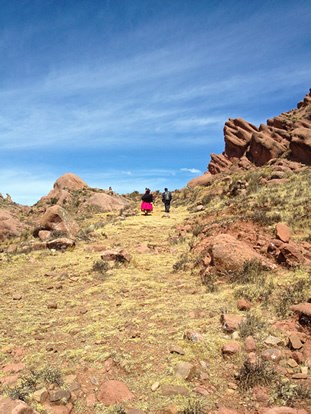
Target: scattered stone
(61,243)
(272,354)
(169,390)
(282,232)
(193,336)
(91,400)
(302,308)
(17,296)
(300,375)
(155,386)
(231,348)
(8,406)
(243,305)
(52,305)
(185,370)
(295,342)
(176,349)
(231,322)
(14,368)
(273,341)
(44,235)
(292,363)
(113,392)
(250,344)
(60,395)
(117,255)
(41,395)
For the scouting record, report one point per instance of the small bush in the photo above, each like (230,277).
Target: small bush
(250,326)
(251,374)
(261,217)
(51,375)
(194,407)
(100,266)
(197,230)
(253,272)
(119,410)
(208,279)
(256,292)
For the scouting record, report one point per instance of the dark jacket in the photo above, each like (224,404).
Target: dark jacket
(166,197)
(147,197)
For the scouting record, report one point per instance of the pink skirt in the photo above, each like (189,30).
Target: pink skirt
(146,206)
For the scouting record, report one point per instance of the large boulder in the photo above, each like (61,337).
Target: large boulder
(301,145)
(238,134)
(229,254)
(57,219)
(10,226)
(263,147)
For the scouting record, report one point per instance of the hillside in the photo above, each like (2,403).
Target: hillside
(206,310)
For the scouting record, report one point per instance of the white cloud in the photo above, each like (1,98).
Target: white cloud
(191,170)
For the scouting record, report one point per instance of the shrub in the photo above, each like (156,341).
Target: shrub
(208,280)
(251,325)
(194,407)
(100,266)
(182,263)
(256,292)
(251,374)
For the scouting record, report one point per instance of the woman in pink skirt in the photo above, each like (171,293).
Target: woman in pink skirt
(146,203)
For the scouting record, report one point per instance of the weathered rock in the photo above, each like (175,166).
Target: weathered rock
(302,309)
(273,340)
(60,395)
(272,354)
(10,226)
(231,322)
(170,390)
(117,255)
(300,145)
(264,148)
(105,202)
(8,406)
(185,370)
(243,305)
(282,232)
(295,342)
(250,344)
(57,219)
(290,255)
(225,410)
(281,410)
(40,395)
(193,336)
(203,181)
(61,243)
(113,392)
(44,235)
(230,254)
(260,394)
(176,349)
(231,348)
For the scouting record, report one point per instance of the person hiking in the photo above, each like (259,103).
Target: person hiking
(146,203)
(166,199)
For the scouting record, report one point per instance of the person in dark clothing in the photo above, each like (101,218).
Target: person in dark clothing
(146,203)
(166,199)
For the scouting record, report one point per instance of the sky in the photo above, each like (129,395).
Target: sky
(135,93)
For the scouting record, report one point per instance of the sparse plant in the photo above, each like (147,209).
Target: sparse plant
(286,393)
(53,201)
(194,407)
(253,271)
(294,293)
(208,279)
(255,292)
(261,217)
(51,375)
(252,374)
(100,266)
(197,230)
(250,326)
(119,410)
(182,263)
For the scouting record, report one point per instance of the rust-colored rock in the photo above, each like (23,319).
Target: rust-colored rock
(282,232)
(302,308)
(10,226)
(8,406)
(231,322)
(113,392)
(202,181)
(57,219)
(231,348)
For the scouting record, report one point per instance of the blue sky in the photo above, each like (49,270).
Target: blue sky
(135,93)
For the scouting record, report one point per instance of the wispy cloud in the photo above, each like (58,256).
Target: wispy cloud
(191,170)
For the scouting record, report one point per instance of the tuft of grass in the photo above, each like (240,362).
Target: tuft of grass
(181,264)
(253,272)
(289,295)
(251,374)
(194,407)
(100,266)
(208,279)
(256,292)
(250,326)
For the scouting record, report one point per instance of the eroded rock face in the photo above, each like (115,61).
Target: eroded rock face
(8,406)
(287,136)
(105,202)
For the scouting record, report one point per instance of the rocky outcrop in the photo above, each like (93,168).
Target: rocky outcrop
(10,226)
(287,136)
(57,219)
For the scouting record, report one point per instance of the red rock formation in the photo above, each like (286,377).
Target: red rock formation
(287,135)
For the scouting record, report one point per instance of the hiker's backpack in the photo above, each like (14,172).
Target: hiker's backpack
(167,196)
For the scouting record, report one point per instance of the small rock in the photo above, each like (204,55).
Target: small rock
(193,336)
(176,349)
(292,363)
(201,390)
(60,395)
(282,232)
(40,395)
(231,322)
(17,296)
(294,342)
(243,305)
(169,390)
(113,392)
(185,370)
(231,348)
(52,305)
(300,375)
(272,354)
(273,341)
(91,400)
(250,344)
(155,386)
